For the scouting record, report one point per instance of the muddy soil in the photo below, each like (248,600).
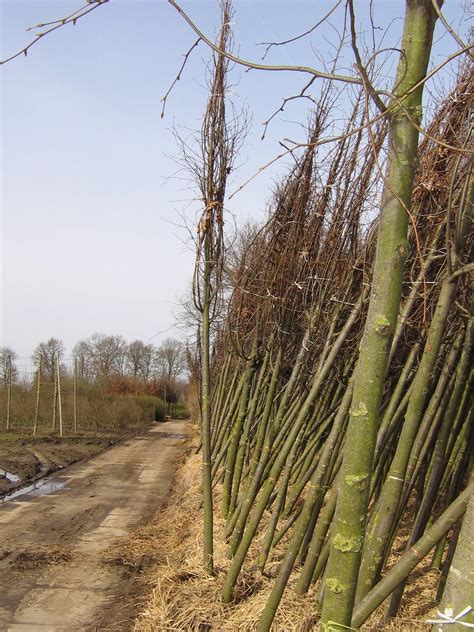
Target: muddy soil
(24,458)
(54,569)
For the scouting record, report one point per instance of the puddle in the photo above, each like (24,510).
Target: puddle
(173,435)
(44,466)
(12,478)
(39,488)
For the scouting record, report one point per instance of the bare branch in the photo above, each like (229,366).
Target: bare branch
(360,66)
(90,6)
(257,66)
(301,95)
(178,76)
(448,27)
(297,37)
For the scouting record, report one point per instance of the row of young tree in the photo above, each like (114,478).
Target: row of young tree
(100,358)
(336,374)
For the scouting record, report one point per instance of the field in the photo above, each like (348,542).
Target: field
(102,420)
(28,458)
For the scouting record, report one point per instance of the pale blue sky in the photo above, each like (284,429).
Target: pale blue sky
(90,218)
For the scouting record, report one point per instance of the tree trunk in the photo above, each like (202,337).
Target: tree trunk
(459,591)
(208,549)
(411,558)
(349,528)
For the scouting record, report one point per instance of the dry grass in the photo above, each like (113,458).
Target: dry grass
(418,603)
(179,596)
(41,556)
(182,596)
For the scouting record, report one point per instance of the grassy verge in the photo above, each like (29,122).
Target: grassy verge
(176,594)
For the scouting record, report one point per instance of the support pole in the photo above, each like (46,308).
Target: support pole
(38,396)
(75,394)
(60,409)
(9,390)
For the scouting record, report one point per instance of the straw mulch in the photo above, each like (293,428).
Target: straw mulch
(177,595)
(37,557)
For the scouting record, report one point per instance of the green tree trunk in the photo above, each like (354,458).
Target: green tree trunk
(388,504)
(459,591)
(236,435)
(207,501)
(240,541)
(411,558)
(439,458)
(349,528)
(314,498)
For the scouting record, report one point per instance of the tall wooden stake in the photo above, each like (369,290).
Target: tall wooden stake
(55,397)
(60,409)
(75,394)
(9,389)
(38,396)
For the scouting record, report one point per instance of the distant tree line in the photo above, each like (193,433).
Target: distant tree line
(108,361)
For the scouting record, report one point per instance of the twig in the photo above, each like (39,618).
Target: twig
(297,37)
(178,76)
(90,6)
(360,66)
(301,95)
(257,66)
(448,27)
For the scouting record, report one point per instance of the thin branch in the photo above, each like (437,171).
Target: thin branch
(449,261)
(90,6)
(302,92)
(60,21)
(360,66)
(448,27)
(319,74)
(297,37)
(468,268)
(356,130)
(178,76)
(256,66)
(301,95)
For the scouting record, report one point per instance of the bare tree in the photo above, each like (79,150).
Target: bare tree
(107,355)
(48,352)
(7,364)
(139,359)
(209,158)
(82,355)
(171,359)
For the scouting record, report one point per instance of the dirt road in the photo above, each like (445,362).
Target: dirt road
(52,571)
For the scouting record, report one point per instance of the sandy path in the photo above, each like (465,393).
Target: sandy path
(52,573)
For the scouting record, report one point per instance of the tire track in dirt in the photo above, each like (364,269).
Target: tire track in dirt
(52,569)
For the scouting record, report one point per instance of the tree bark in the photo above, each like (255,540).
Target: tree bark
(352,503)
(413,556)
